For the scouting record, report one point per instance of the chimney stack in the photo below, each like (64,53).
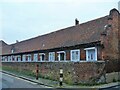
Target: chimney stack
(17,41)
(76,21)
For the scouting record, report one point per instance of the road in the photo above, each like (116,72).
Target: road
(9,81)
(117,87)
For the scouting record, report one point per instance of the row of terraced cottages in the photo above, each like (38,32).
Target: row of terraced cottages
(69,55)
(91,41)
(81,50)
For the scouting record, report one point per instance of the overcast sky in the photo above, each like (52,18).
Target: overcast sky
(24,19)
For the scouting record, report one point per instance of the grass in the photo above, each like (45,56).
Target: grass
(17,72)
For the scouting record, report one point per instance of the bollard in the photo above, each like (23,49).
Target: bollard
(37,71)
(61,77)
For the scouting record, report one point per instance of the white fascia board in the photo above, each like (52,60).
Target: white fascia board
(90,48)
(61,52)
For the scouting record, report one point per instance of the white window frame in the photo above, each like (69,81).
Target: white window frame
(35,58)
(15,58)
(59,55)
(78,55)
(9,58)
(4,59)
(91,48)
(41,57)
(12,57)
(51,56)
(24,58)
(19,57)
(29,57)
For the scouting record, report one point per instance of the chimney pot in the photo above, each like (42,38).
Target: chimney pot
(76,21)
(17,41)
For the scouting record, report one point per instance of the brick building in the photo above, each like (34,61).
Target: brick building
(93,41)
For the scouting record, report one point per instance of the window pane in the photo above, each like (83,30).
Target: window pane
(51,56)
(61,56)
(35,57)
(75,55)
(91,55)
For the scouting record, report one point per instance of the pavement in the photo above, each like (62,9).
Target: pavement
(55,84)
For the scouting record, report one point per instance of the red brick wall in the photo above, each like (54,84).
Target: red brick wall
(110,41)
(67,54)
(112,66)
(46,56)
(56,56)
(38,57)
(99,53)
(32,57)
(85,72)
(82,54)
(119,35)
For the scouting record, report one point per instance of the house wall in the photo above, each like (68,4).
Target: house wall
(111,43)
(56,56)
(82,54)
(68,54)
(73,72)
(119,35)
(99,53)
(111,40)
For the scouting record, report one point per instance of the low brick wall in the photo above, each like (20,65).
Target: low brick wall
(74,72)
(112,66)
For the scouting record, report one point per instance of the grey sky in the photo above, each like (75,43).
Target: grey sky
(24,19)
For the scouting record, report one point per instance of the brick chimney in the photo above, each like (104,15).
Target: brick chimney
(110,36)
(76,21)
(17,41)
(110,21)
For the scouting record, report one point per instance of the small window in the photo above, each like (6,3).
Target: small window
(24,57)
(91,54)
(15,58)
(18,58)
(42,56)
(51,56)
(75,55)
(35,57)
(3,58)
(61,56)
(12,58)
(9,58)
(29,57)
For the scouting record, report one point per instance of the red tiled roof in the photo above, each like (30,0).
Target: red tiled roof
(79,34)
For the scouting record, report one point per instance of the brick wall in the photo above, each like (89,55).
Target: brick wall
(112,66)
(111,40)
(74,72)
(119,35)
